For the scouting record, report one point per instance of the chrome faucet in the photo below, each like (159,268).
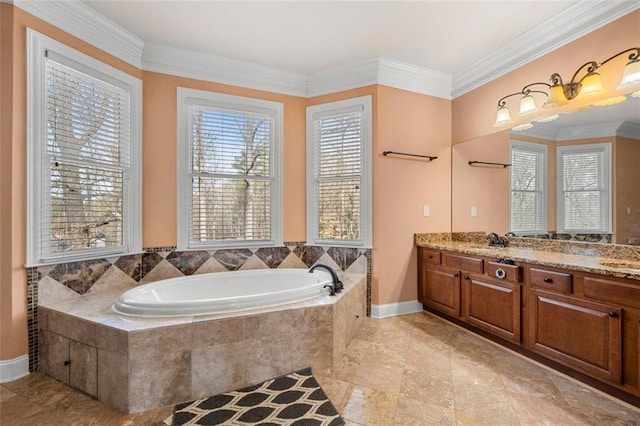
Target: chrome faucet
(336,285)
(495,240)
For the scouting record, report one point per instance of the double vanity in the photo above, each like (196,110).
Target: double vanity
(573,306)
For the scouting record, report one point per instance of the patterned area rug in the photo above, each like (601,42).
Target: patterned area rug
(294,399)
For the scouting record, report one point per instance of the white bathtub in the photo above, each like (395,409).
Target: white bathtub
(222,292)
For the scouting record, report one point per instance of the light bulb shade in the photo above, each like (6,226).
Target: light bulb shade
(631,76)
(502,117)
(591,85)
(556,97)
(527,105)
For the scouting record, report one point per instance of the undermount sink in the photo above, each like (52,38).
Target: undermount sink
(623,264)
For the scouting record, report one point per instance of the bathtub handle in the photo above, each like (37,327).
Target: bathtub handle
(332,292)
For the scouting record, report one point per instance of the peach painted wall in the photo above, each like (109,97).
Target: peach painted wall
(12,320)
(406,122)
(486,187)
(13,326)
(475,112)
(159,156)
(412,123)
(627,176)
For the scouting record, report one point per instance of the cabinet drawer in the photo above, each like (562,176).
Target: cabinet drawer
(612,291)
(504,271)
(550,280)
(431,257)
(471,264)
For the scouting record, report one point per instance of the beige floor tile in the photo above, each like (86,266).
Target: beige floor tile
(411,412)
(433,387)
(336,390)
(379,376)
(533,410)
(411,370)
(369,406)
(593,406)
(5,394)
(471,419)
(485,402)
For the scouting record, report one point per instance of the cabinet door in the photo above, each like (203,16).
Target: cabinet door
(83,372)
(582,335)
(441,290)
(57,356)
(493,305)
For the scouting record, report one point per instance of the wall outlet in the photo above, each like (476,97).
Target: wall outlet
(474,211)
(425,210)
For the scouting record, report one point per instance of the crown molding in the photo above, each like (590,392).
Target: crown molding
(629,130)
(80,20)
(569,133)
(83,22)
(352,76)
(414,79)
(572,23)
(600,130)
(387,72)
(169,60)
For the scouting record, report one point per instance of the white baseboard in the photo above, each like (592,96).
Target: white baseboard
(395,309)
(13,369)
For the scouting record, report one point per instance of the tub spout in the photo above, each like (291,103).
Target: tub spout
(337,285)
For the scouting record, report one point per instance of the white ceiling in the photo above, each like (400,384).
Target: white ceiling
(312,36)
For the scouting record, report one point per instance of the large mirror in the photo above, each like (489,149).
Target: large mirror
(494,198)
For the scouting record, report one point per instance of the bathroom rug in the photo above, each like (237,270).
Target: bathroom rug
(295,399)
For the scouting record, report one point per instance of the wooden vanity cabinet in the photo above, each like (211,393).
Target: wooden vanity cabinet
(585,336)
(587,322)
(441,290)
(493,305)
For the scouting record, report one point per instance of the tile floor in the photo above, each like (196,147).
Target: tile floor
(410,370)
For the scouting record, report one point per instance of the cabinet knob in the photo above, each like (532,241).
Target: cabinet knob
(466,277)
(430,256)
(547,280)
(613,314)
(67,363)
(455,274)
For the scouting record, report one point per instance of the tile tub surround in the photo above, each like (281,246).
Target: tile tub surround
(136,364)
(74,280)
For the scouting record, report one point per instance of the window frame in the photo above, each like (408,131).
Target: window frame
(364,103)
(37,46)
(607,192)
(187,97)
(537,149)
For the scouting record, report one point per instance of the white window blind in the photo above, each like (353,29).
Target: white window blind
(231,175)
(584,194)
(339,183)
(82,146)
(528,211)
(88,161)
(231,168)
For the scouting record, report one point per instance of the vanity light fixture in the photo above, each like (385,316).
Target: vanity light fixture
(559,93)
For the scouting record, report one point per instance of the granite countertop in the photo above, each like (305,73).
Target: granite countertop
(595,264)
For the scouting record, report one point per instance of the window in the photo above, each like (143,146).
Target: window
(339,173)
(83,156)
(229,171)
(584,188)
(528,212)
